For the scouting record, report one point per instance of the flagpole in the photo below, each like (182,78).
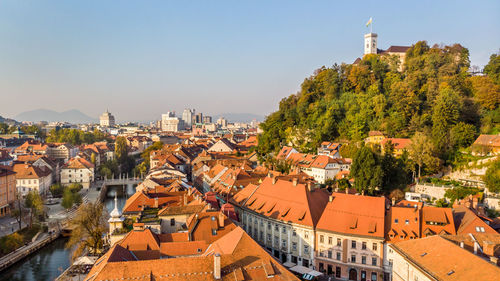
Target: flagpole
(371,25)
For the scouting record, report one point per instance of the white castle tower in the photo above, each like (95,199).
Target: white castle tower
(370,43)
(116,220)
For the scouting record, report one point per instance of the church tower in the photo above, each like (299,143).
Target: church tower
(370,43)
(116,220)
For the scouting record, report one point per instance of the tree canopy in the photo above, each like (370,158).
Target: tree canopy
(434,93)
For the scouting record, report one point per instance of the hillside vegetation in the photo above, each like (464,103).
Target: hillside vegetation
(434,95)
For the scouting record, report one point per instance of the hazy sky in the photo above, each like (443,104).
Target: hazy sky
(144,58)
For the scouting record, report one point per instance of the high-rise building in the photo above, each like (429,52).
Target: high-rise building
(222,122)
(170,123)
(198,118)
(187,117)
(106,119)
(207,119)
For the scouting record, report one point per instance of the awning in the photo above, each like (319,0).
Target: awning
(85,260)
(314,273)
(288,264)
(300,269)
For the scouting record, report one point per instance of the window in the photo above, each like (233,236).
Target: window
(261,235)
(283,243)
(321,254)
(479,229)
(321,239)
(268,237)
(294,246)
(353,258)
(284,229)
(339,242)
(269,225)
(214,232)
(374,261)
(338,256)
(276,228)
(276,241)
(306,235)
(363,259)
(172,221)
(294,233)
(390,262)
(363,245)
(330,241)
(306,249)
(396,221)
(374,247)
(353,244)
(329,254)
(374,277)
(337,271)
(407,221)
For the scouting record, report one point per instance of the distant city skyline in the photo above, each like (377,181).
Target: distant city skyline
(140,60)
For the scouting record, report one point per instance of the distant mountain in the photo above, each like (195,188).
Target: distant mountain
(238,117)
(72,116)
(8,121)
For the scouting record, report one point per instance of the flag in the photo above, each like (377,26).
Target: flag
(369,22)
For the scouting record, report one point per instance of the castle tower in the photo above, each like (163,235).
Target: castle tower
(370,43)
(116,220)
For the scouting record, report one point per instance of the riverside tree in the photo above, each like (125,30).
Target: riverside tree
(90,224)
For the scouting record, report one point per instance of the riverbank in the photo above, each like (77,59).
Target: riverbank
(46,264)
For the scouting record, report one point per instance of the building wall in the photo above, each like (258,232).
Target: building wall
(402,270)
(334,254)
(7,193)
(82,176)
(288,242)
(24,186)
(173,223)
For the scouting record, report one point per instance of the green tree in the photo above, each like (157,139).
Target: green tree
(56,189)
(93,158)
(445,113)
(4,128)
(421,152)
(492,176)
(67,199)
(121,149)
(366,170)
(463,135)
(395,175)
(492,69)
(460,192)
(34,203)
(90,225)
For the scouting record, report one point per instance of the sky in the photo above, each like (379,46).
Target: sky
(143,58)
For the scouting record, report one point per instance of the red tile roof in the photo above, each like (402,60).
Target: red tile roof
(354,214)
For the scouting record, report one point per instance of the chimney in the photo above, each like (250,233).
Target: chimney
(475,248)
(393,201)
(274,179)
(138,226)
(156,201)
(488,248)
(462,244)
(295,181)
(310,186)
(330,198)
(185,199)
(221,219)
(494,260)
(217,273)
(346,190)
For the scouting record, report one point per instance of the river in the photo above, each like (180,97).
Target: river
(50,261)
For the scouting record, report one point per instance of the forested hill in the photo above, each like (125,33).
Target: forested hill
(434,94)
